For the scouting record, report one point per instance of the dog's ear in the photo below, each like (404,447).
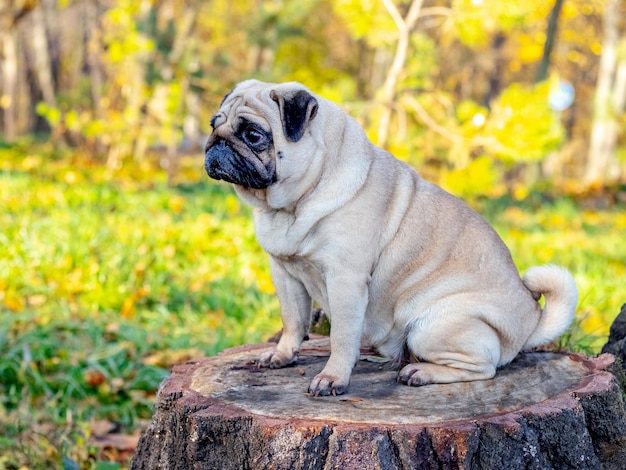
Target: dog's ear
(297,109)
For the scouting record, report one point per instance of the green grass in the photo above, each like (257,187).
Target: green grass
(108,278)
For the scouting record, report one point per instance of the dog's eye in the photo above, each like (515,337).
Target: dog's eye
(252,136)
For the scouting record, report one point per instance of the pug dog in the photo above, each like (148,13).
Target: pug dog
(392,259)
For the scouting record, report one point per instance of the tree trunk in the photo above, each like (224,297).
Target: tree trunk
(405,26)
(93,50)
(542,70)
(544,410)
(183,33)
(616,344)
(10,18)
(602,164)
(8,99)
(496,74)
(41,54)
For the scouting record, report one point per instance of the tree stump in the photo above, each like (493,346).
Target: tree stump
(544,410)
(616,343)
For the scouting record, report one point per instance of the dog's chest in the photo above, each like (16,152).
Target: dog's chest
(281,234)
(310,275)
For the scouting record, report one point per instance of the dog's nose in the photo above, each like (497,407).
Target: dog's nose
(217,156)
(212,142)
(218,144)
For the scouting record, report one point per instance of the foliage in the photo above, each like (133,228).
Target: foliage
(367,20)
(152,74)
(522,125)
(476,21)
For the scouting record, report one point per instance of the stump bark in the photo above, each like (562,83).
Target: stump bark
(616,343)
(544,410)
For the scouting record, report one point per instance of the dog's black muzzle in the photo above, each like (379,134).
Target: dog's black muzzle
(221,162)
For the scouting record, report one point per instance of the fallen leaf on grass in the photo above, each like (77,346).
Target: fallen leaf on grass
(115,441)
(102,427)
(94,377)
(168,358)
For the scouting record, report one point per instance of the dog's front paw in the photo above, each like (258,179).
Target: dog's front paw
(327,384)
(275,359)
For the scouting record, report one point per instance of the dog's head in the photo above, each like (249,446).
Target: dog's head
(258,133)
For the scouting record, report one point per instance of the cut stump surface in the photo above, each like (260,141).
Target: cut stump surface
(544,410)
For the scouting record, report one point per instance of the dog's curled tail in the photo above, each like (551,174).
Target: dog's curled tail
(558,287)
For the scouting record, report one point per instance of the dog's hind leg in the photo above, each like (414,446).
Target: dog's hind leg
(452,353)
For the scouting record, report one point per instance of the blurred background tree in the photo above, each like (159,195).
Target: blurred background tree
(484,96)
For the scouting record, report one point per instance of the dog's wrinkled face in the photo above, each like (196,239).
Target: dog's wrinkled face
(242,147)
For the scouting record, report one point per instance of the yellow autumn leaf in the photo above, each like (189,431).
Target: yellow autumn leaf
(128,307)
(514,215)
(265,283)
(176,204)
(520,192)
(232,204)
(531,47)
(215,318)
(473,178)
(31,162)
(546,254)
(14,303)
(71,177)
(594,324)
(36,300)
(620,221)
